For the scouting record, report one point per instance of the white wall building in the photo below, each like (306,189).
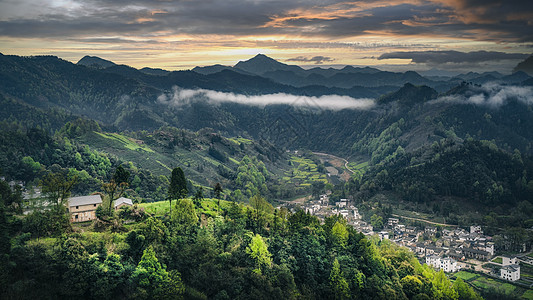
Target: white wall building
(510,272)
(383,235)
(448,265)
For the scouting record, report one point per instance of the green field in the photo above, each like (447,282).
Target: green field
(209,206)
(466,276)
(528,295)
(486,283)
(304,171)
(498,260)
(128,143)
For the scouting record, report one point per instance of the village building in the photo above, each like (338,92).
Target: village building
(510,272)
(448,265)
(392,222)
(476,254)
(83,208)
(383,235)
(120,202)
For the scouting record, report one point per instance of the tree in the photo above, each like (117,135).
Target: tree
(218,190)
(199,196)
(116,186)
(339,235)
(57,186)
(184,216)
(411,286)
(376,221)
(178,186)
(465,291)
(258,251)
(337,282)
(260,209)
(150,277)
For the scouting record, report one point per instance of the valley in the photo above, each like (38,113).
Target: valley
(259,180)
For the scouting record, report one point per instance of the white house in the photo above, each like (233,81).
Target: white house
(510,272)
(448,265)
(433,260)
(392,222)
(507,261)
(122,202)
(476,229)
(383,235)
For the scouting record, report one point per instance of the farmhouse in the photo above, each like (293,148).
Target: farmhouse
(83,208)
(120,202)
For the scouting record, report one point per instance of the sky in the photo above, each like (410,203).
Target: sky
(451,35)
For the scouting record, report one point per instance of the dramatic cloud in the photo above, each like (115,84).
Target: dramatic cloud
(492,95)
(315,59)
(168,29)
(443,57)
(183,97)
(475,19)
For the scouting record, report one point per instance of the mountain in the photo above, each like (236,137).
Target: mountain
(154,71)
(207,70)
(525,66)
(410,95)
(95,62)
(261,64)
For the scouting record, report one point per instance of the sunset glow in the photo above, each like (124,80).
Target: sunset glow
(183,34)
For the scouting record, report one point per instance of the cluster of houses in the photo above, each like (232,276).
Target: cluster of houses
(446,249)
(83,208)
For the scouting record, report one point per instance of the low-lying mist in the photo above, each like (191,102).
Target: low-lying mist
(492,95)
(182,97)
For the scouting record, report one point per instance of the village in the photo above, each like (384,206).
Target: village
(447,249)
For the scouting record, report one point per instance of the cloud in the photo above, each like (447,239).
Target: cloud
(456,57)
(492,95)
(491,20)
(182,97)
(316,59)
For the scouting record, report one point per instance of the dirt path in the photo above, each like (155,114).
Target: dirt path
(422,220)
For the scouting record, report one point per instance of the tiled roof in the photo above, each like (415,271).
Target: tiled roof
(85,200)
(123,200)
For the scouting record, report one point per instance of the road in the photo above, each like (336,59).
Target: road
(422,220)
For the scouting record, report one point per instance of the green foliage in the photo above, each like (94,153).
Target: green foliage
(177,188)
(258,252)
(251,176)
(338,283)
(184,216)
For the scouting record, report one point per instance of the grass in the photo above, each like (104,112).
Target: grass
(126,142)
(209,206)
(486,283)
(530,254)
(498,260)
(528,295)
(304,171)
(466,276)
(241,140)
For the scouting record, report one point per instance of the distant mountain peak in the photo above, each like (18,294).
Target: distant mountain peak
(261,64)
(525,66)
(95,62)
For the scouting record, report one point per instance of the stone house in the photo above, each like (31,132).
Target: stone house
(83,208)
